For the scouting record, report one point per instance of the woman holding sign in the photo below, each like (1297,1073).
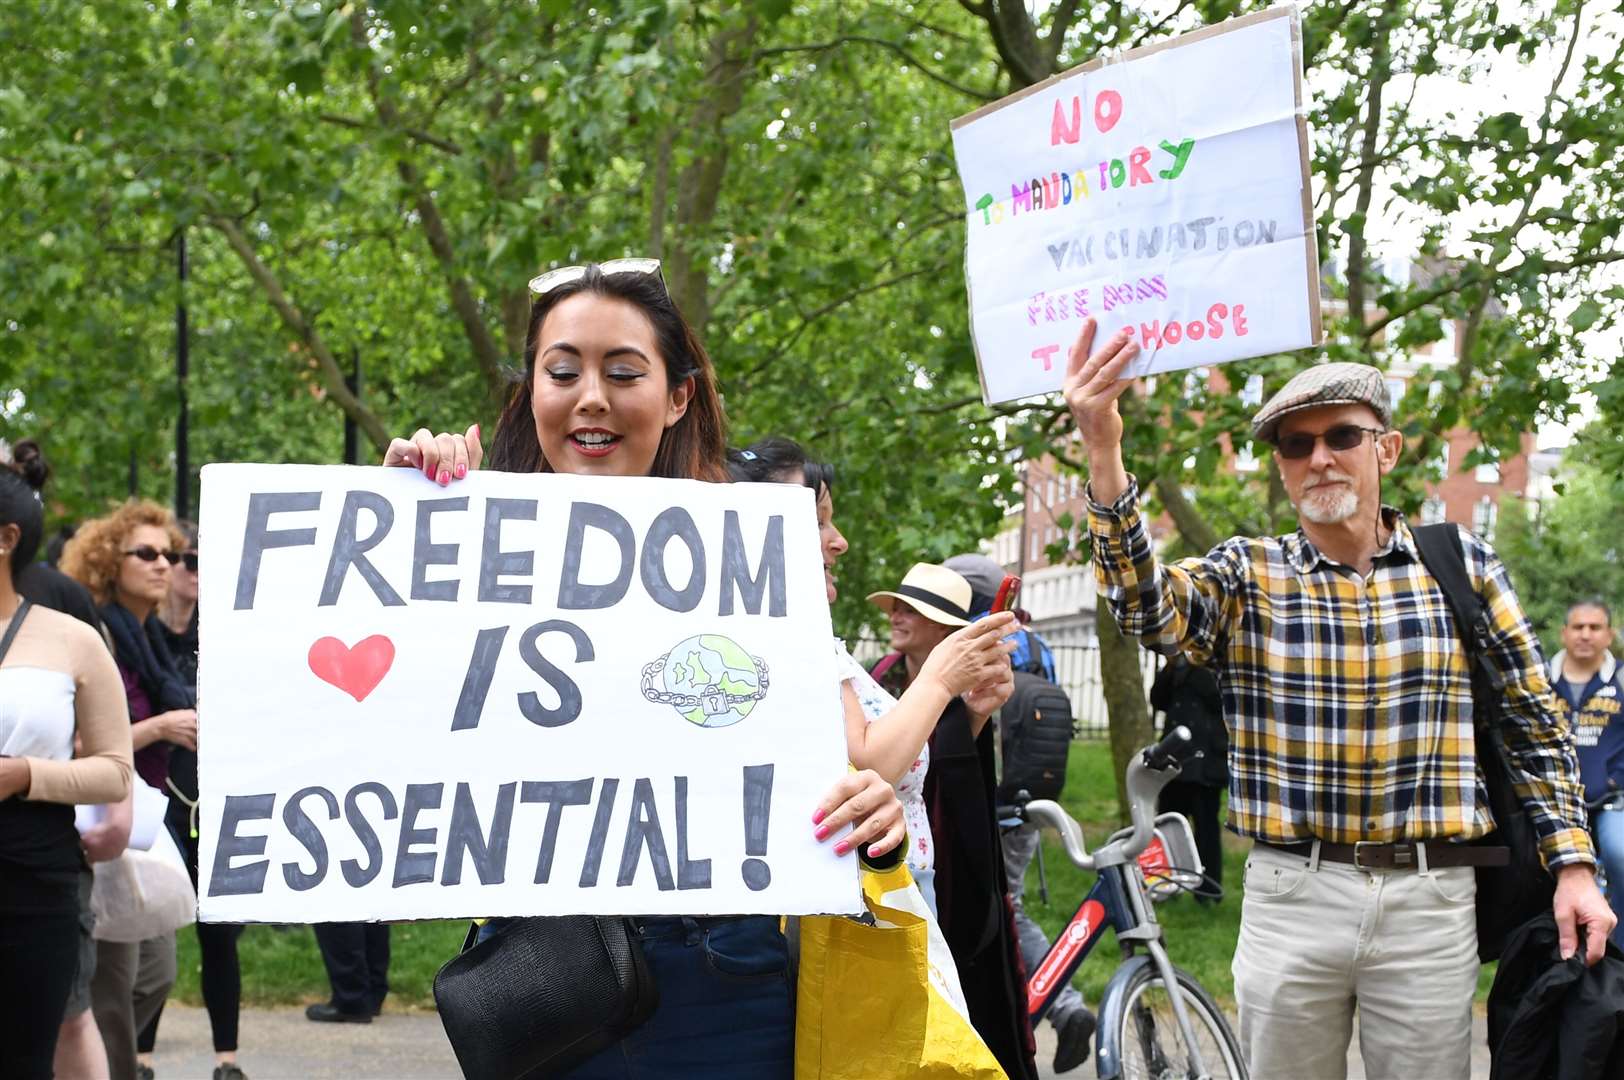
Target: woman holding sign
(973,662)
(57,684)
(615,383)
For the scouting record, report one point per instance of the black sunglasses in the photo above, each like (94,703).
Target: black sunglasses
(148,553)
(189,559)
(1341,437)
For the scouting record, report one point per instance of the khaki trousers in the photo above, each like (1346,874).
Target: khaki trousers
(1319,942)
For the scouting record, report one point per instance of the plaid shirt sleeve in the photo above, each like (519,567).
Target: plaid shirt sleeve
(1545,767)
(1183,606)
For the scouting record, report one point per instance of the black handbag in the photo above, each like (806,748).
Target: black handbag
(542,995)
(1509,895)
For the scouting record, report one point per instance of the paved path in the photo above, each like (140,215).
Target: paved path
(280,1044)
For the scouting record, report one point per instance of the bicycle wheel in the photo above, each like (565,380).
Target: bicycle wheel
(1150,1042)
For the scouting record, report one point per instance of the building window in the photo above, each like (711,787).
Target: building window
(1483,516)
(1252,392)
(1441,463)
(1488,472)
(1432,511)
(1395,391)
(1446,346)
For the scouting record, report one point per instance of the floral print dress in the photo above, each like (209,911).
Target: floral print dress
(876,702)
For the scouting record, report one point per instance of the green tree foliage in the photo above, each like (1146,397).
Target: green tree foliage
(380,181)
(1570,549)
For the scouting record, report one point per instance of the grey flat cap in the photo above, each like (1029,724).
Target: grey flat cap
(1325,384)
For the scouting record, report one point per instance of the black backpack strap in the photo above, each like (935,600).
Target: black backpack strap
(16,625)
(1445,559)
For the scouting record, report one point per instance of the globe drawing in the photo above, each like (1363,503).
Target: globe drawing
(717,671)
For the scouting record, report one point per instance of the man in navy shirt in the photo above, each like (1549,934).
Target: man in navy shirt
(1586,678)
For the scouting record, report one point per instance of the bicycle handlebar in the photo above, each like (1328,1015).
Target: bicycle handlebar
(1149,771)
(1170,751)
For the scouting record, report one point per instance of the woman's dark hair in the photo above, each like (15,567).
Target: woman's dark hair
(20,484)
(693,448)
(774,459)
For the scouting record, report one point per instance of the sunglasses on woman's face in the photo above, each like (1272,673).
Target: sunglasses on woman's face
(148,553)
(1342,437)
(189,560)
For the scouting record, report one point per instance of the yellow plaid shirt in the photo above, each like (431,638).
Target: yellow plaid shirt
(1348,699)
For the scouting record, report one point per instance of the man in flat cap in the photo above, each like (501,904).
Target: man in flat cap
(1352,760)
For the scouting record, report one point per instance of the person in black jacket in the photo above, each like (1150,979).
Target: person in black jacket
(1550,1017)
(1189,695)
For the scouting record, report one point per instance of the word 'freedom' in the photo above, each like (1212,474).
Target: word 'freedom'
(502,573)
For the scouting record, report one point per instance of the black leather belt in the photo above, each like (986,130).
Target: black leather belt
(1365,855)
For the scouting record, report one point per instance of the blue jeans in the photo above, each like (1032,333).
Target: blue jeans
(725,1010)
(1610,846)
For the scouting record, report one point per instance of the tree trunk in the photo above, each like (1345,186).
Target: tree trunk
(699,184)
(1124,689)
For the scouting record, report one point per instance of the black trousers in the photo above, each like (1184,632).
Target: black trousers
(1199,803)
(39,956)
(217,949)
(357,959)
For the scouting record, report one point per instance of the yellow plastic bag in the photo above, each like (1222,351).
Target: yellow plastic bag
(880,1001)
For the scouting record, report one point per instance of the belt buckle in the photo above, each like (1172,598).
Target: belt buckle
(1359,847)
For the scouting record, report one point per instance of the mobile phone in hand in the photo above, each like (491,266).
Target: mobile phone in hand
(1008,590)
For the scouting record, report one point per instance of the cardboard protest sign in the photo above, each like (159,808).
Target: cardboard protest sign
(1164,190)
(519,695)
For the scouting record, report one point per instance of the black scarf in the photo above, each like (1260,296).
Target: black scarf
(141,649)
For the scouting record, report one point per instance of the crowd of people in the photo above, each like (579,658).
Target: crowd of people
(98,697)
(1328,683)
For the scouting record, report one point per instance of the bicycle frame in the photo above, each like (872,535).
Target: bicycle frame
(1118,901)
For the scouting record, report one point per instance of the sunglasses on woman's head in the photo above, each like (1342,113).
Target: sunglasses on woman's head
(542,284)
(148,553)
(1342,437)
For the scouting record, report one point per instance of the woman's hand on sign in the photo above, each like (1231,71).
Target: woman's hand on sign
(1094,382)
(972,655)
(442,458)
(866,802)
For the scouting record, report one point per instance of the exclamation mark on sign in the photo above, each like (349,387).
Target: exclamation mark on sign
(758,803)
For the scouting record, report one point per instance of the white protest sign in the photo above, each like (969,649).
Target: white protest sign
(1165,190)
(517,695)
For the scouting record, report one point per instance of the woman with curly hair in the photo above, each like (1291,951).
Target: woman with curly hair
(126,559)
(57,683)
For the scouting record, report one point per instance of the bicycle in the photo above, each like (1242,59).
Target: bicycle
(1145,1030)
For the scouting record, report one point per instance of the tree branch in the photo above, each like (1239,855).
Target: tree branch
(486,352)
(332,375)
(411,133)
(1380,72)
(899,50)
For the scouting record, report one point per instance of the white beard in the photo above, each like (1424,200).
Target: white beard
(1330,506)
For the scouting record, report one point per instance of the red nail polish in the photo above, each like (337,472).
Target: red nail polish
(821,832)
(445,478)
(462,471)
(842,847)
(820,815)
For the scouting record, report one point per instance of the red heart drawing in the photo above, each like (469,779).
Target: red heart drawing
(357,671)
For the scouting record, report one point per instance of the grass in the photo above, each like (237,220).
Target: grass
(282,966)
